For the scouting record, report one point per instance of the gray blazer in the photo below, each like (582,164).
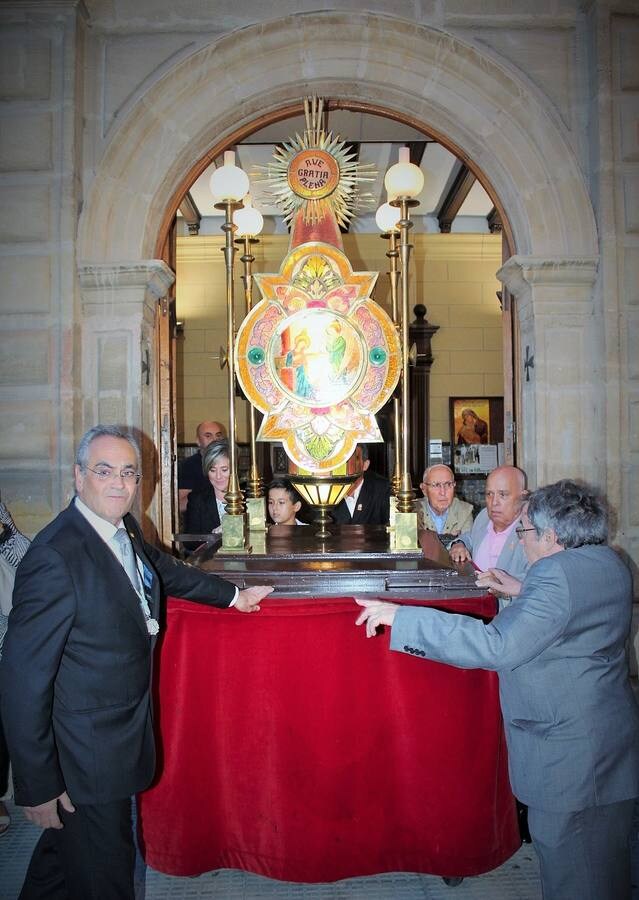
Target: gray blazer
(512,558)
(570,717)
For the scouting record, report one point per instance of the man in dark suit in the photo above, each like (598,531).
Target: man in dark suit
(76,674)
(368,501)
(191,475)
(570,717)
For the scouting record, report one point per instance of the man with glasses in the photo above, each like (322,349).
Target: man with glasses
(492,541)
(570,717)
(76,673)
(441,510)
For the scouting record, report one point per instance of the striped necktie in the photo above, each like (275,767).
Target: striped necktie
(130,566)
(127,557)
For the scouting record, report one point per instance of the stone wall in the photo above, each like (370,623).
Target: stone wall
(41,54)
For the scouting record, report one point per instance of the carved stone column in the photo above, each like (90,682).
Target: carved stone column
(562,396)
(118,358)
(420,332)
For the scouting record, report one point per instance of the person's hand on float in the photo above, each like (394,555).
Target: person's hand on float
(376,613)
(498,582)
(458,552)
(249,599)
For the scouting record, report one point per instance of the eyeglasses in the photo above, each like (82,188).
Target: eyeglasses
(105,473)
(447,485)
(520,531)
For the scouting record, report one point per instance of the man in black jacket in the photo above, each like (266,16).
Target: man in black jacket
(368,501)
(76,673)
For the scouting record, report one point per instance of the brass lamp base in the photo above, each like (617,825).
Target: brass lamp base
(405,535)
(256,511)
(323,521)
(233,540)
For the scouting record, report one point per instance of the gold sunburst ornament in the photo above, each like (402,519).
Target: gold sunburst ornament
(317,173)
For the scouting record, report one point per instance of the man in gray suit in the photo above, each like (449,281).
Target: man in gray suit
(570,717)
(492,541)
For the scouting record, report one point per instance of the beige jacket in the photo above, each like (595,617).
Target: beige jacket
(459,518)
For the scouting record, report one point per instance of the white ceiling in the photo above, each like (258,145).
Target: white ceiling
(379,139)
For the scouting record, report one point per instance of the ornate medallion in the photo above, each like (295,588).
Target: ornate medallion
(318,357)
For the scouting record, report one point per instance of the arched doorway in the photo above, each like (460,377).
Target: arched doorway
(451,274)
(444,87)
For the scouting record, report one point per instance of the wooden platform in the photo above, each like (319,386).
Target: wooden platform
(355,560)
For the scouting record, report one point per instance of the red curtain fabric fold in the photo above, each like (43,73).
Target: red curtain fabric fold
(292,746)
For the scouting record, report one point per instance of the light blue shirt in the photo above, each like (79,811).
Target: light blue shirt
(438,518)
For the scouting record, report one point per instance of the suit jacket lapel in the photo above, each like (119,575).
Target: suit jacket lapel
(105,562)
(362,501)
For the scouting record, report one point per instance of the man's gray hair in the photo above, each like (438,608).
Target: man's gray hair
(213,452)
(82,454)
(438,466)
(576,512)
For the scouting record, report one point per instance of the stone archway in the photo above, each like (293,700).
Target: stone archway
(439,83)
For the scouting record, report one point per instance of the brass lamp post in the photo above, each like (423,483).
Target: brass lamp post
(249,222)
(404,181)
(228,185)
(387,217)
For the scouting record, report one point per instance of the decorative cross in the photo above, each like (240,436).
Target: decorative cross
(529,363)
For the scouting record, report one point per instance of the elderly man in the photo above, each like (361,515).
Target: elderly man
(441,511)
(570,716)
(190,474)
(492,541)
(75,680)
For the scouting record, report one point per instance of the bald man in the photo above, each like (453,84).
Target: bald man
(190,475)
(441,510)
(492,542)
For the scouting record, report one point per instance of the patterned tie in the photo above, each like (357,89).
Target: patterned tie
(129,563)
(127,557)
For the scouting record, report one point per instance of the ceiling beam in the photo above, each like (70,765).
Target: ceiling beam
(495,224)
(417,150)
(457,193)
(190,213)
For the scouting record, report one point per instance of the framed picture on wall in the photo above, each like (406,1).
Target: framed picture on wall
(476,420)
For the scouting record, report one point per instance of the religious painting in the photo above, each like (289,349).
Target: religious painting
(476,420)
(317,357)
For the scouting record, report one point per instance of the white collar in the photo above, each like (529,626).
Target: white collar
(354,497)
(105,529)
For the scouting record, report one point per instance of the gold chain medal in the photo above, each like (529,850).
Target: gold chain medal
(313,174)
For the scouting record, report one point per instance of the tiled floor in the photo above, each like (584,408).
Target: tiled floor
(517,879)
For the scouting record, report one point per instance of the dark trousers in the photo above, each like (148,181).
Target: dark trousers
(4,763)
(91,858)
(584,855)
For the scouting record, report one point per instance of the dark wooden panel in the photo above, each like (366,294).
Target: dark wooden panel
(353,561)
